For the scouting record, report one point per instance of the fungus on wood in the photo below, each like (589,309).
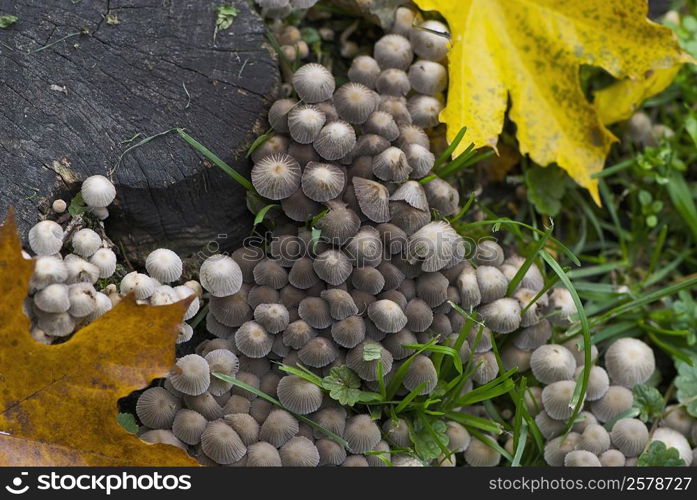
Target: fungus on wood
(84,81)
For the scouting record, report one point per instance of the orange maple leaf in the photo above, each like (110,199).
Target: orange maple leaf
(58,402)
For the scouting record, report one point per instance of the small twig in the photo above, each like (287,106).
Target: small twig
(188,102)
(84,31)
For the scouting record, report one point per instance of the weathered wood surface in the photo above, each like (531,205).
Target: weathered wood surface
(67,106)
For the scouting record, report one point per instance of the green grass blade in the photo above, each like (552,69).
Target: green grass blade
(239,178)
(443,157)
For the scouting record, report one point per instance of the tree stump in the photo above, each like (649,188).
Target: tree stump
(82,81)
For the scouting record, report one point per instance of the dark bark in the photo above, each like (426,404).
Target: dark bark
(66,110)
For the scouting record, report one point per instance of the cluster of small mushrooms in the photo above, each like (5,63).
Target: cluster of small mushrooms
(384,273)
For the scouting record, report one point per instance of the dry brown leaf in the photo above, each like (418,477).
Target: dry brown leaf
(58,402)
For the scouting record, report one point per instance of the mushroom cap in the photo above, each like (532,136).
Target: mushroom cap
(616,400)
(373,199)
(581,458)
(488,253)
(598,383)
(83,300)
(387,316)
(364,69)
(368,279)
(594,439)
(315,311)
(272,317)
(299,395)
(335,140)
(458,437)
(557,448)
(188,425)
(263,454)
(305,122)
(487,367)
(501,315)
(367,370)
(244,425)
(332,418)
(105,260)
(221,443)
(191,375)
(161,436)
(428,77)
(426,41)
(339,224)
(612,458)
(391,165)
(270,272)
(420,159)
(299,207)
(435,244)
(551,363)
(276,176)
(393,51)
(673,439)
(247,257)
(349,332)
(299,452)
(442,196)
(424,110)
(381,123)
(253,340)
(354,102)
(46,238)
(302,275)
(492,283)
(156,408)
(556,399)
(512,356)
(232,310)
(534,336)
(322,182)
(412,193)
(432,288)
(262,295)
(480,454)
(314,83)
(98,191)
(361,433)
(341,304)
(249,379)
(367,146)
(55,298)
(629,362)
(278,427)
(330,452)
(333,267)
(297,334)
(549,427)
(48,269)
(630,436)
(395,83)
(220,275)
(394,343)
(318,352)
(86,242)
(468,286)
(408,218)
(278,114)
(421,371)
(164,265)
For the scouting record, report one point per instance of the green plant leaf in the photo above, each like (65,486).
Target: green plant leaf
(428,442)
(7,21)
(686,384)
(225,16)
(372,351)
(657,455)
(262,213)
(546,187)
(649,401)
(77,206)
(343,385)
(128,422)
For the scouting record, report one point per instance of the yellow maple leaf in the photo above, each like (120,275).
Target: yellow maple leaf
(620,100)
(531,51)
(58,402)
